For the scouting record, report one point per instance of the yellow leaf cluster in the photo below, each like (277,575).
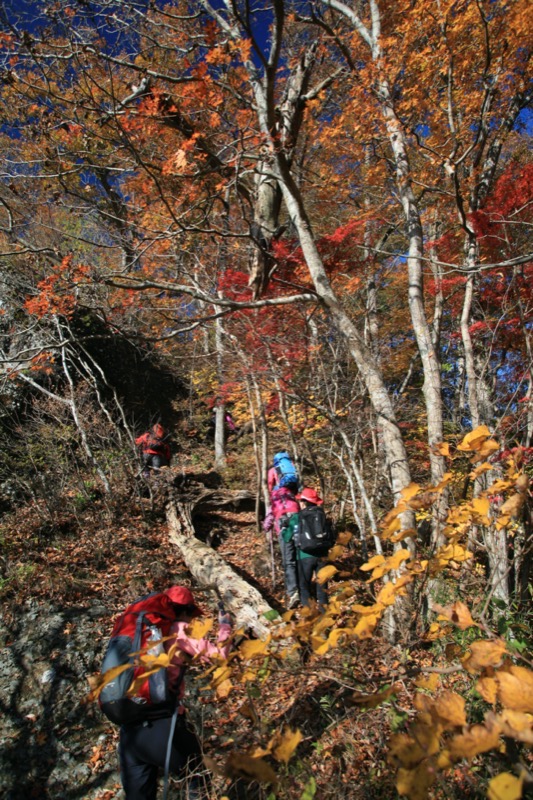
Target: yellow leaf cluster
(474,439)
(433,742)
(381,565)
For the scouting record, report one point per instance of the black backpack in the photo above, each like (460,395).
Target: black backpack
(314,534)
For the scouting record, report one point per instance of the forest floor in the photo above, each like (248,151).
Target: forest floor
(86,563)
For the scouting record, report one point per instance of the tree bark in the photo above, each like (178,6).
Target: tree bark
(209,569)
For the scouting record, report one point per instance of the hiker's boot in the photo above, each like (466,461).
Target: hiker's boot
(294,600)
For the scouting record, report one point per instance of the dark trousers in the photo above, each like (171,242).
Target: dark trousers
(154,460)
(288,559)
(143,750)
(307,568)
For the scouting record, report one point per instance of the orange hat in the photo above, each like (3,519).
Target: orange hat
(310,495)
(182,596)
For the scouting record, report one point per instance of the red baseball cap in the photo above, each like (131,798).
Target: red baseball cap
(182,596)
(310,495)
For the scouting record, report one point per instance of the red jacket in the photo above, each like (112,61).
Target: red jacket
(153,445)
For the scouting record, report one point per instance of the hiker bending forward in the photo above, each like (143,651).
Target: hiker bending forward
(283,506)
(155,451)
(313,536)
(143,746)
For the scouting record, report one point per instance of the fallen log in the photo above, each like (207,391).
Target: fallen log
(209,569)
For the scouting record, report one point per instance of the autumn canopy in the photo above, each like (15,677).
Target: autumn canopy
(316,214)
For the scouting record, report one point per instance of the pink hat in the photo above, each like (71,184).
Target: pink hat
(310,495)
(182,596)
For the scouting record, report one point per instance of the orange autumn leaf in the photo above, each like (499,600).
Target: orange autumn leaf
(485,653)
(474,439)
(410,491)
(254,647)
(515,688)
(285,744)
(478,739)
(199,628)
(326,573)
(417,782)
(516,725)
(373,700)
(429,682)
(372,563)
(392,590)
(450,709)
(513,505)
(488,689)
(248,768)
(365,626)
(458,613)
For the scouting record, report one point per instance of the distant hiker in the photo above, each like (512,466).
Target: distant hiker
(230,424)
(282,473)
(283,506)
(154,732)
(155,450)
(313,536)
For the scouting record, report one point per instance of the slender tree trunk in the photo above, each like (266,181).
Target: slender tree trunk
(413,229)
(422,330)
(470,369)
(220,409)
(392,439)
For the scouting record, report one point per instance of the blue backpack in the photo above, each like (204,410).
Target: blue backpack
(286,471)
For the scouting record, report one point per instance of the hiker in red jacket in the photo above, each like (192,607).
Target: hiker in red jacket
(155,450)
(170,742)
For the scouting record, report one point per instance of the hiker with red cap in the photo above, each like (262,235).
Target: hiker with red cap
(313,536)
(154,732)
(155,450)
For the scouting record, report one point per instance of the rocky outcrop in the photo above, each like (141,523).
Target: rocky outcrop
(50,738)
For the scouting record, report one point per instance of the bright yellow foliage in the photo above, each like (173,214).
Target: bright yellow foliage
(505,787)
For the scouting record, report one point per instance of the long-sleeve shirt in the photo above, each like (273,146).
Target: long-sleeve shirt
(201,649)
(272,479)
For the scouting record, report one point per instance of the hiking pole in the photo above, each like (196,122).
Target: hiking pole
(169,750)
(272,561)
